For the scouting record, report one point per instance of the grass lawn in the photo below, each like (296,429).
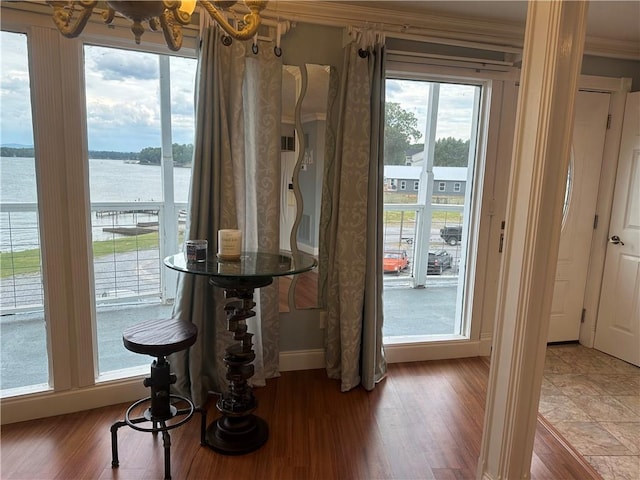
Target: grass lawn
(28,261)
(409,216)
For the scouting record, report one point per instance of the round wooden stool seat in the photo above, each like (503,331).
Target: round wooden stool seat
(161,337)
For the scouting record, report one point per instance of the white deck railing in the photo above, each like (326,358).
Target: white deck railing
(127,246)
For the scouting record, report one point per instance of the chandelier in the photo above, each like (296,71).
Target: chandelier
(71,16)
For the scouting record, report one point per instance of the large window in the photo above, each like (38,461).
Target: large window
(424,299)
(115,199)
(131,192)
(25,362)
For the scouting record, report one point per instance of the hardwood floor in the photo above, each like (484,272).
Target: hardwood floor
(424,421)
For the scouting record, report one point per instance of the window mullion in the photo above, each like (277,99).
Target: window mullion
(168,242)
(60,145)
(425,192)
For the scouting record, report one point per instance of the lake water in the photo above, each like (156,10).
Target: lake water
(110,181)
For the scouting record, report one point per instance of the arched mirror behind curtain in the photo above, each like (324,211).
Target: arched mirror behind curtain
(305,97)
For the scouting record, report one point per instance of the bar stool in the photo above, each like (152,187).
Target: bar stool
(158,338)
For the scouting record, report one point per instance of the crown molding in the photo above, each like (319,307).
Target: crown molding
(469,31)
(392,22)
(611,48)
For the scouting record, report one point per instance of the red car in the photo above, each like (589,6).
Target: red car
(395,261)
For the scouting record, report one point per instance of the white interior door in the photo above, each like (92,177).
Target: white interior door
(589,133)
(618,325)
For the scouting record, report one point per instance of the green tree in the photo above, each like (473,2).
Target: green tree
(17,152)
(451,152)
(150,156)
(109,155)
(400,130)
(182,154)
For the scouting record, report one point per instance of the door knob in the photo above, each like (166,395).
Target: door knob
(615,239)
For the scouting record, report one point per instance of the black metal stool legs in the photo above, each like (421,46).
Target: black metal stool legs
(114,439)
(166,443)
(160,411)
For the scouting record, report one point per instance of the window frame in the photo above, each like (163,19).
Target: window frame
(56,67)
(497,114)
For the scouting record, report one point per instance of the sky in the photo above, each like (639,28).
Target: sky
(455,106)
(122,93)
(123,112)
(14,91)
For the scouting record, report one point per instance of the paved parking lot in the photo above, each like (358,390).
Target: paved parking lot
(407,311)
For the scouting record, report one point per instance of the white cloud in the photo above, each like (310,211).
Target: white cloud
(122,95)
(15,126)
(455,106)
(123,99)
(121,66)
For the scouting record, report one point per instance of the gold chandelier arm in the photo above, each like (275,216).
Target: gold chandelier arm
(108,15)
(179,16)
(172,32)
(70,17)
(251,20)
(63,16)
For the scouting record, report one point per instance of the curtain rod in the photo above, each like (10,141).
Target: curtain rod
(390,30)
(483,61)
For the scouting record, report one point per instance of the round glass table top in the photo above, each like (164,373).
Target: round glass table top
(250,264)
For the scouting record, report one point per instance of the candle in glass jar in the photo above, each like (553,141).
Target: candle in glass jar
(229,244)
(196,251)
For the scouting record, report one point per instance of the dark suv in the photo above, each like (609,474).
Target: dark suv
(438,261)
(452,234)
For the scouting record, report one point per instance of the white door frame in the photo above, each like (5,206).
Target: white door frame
(618,88)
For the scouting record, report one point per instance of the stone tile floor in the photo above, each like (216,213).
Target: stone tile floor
(593,400)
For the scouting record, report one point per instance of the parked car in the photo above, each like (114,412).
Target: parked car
(395,261)
(438,261)
(451,234)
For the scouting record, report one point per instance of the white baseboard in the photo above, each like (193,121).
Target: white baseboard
(405,352)
(47,404)
(301,360)
(420,352)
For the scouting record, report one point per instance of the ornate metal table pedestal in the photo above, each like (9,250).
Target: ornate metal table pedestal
(238,431)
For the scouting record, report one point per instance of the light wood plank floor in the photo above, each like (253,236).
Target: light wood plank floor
(424,421)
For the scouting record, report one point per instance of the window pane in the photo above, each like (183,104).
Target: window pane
(437,257)
(22,325)
(183,71)
(129,193)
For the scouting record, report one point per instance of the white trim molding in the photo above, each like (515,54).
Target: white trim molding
(554,43)
(437,350)
(401,22)
(302,360)
(418,23)
(49,404)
